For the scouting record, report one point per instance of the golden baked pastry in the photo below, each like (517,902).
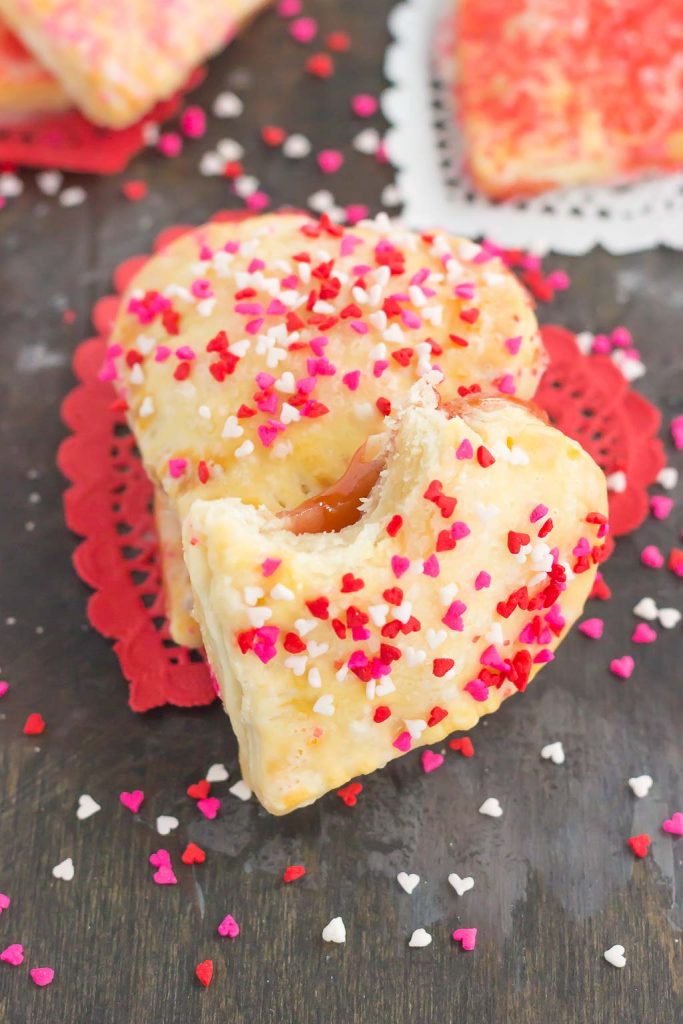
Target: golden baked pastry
(25,86)
(117,58)
(256,357)
(338,651)
(551,94)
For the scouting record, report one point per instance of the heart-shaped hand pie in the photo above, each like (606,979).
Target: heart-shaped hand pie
(256,357)
(476,549)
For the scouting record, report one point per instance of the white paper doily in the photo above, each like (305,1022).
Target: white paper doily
(425,146)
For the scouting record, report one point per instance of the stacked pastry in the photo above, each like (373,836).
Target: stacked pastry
(384,539)
(113,61)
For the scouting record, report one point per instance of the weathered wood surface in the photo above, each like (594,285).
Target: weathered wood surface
(555,884)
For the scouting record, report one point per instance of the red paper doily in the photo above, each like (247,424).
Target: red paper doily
(69,142)
(109,500)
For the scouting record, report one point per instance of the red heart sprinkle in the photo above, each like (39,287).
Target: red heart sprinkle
(204,972)
(381,713)
(134,190)
(464,745)
(193,854)
(34,724)
(199,790)
(272,135)
(320,65)
(639,844)
(350,793)
(436,715)
(293,872)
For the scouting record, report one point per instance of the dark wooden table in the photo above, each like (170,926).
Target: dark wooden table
(555,883)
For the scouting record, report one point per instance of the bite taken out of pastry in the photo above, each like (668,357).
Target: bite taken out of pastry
(255,357)
(335,652)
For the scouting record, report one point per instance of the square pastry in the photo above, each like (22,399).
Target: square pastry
(551,94)
(117,58)
(474,552)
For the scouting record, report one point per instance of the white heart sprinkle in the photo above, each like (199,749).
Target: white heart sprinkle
(407,882)
(296,147)
(416,726)
(334,931)
(367,141)
(230,149)
(227,104)
(414,656)
(246,185)
(304,626)
(289,414)
(553,752)
(10,185)
(324,705)
(615,956)
(669,617)
(391,195)
(211,165)
(259,616)
(281,593)
(667,478)
(435,637)
(73,196)
(166,823)
(217,773)
(315,650)
(447,594)
(616,482)
(641,785)
(49,182)
(646,609)
(461,885)
(86,807)
(491,807)
(64,870)
(252,595)
(232,428)
(321,200)
(419,939)
(244,449)
(241,790)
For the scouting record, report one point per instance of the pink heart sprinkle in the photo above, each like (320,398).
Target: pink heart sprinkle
(467,936)
(364,105)
(289,8)
(229,927)
(177,467)
(431,761)
(403,741)
(652,557)
(160,858)
(644,634)
(4,902)
(512,345)
(482,581)
(132,801)
(303,30)
(209,807)
(165,876)
(257,201)
(330,160)
(661,506)
(42,976)
(465,450)
(478,690)
(593,628)
(399,565)
(677,431)
(623,667)
(4,687)
(13,955)
(674,824)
